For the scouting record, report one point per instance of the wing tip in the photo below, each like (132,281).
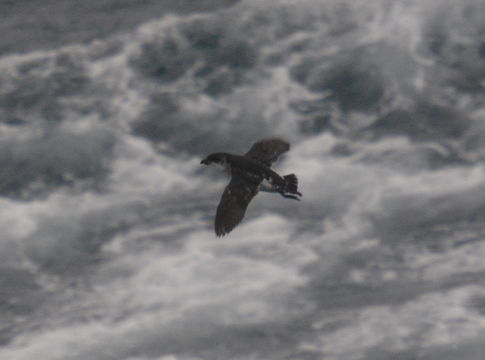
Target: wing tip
(221,231)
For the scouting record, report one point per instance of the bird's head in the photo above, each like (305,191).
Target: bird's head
(216,158)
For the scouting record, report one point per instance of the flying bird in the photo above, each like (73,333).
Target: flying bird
(250,173)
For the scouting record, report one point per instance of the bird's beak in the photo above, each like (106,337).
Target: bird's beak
(204,162)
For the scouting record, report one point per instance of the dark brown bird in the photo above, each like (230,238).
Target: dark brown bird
(250,173)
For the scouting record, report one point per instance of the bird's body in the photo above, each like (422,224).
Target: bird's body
(250,173)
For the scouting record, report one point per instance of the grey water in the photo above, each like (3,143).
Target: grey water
(107,248)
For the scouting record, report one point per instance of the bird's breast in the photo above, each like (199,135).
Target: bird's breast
(227,167)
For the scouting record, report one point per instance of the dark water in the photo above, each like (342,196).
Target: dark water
(30,25)
(107,248)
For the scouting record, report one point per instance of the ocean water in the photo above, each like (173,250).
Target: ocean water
(107,249)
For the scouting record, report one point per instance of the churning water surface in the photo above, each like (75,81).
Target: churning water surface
(107,248)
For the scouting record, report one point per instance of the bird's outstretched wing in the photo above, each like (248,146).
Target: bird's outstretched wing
(233,204)
(267,151)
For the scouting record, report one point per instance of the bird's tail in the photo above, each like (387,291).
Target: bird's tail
(291,184)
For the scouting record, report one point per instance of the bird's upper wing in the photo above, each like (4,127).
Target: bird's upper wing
(267,150)
(233,204)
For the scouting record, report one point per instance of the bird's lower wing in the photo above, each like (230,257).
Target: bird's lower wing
(233,205)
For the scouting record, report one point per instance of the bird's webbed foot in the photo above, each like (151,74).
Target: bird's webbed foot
(289,196)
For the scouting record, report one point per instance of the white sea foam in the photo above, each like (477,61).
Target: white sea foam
(107,216)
